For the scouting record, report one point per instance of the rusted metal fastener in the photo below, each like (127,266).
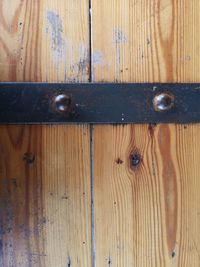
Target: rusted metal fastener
(163,101)
(63,104)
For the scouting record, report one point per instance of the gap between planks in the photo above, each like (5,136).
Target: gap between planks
(93,251)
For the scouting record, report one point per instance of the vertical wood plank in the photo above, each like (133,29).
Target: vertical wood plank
(66,195)
(44,41)
(146,215)
(145,41)
(21,209)
(44,171)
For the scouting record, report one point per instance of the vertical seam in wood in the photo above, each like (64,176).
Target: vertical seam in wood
(93,260)
(92,196)
(90,41)
(91,147)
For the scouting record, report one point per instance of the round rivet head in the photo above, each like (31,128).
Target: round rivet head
(63,104)
(163,101)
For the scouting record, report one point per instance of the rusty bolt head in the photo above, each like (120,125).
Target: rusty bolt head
(163,102)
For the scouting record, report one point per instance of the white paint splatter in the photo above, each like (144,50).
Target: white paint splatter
(55,30)
(80,69)
(73,57)
(97,58)
(119,37)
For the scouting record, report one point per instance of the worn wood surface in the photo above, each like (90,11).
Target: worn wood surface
(44,171)
(148,214)
(145,178)
(44,41)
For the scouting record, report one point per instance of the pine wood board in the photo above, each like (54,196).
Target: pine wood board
(146,216)
(45,171)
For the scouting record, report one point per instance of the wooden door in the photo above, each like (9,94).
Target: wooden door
(70,195)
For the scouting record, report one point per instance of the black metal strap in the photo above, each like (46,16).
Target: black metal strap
(33,103)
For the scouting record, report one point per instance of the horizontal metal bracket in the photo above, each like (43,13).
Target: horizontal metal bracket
(48,103)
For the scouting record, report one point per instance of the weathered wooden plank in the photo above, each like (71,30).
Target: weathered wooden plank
(44,41)
(21,209)
(66,195)
(146,215)
(145,41)
(44,171)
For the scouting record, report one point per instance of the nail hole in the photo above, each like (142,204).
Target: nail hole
(119,161)
(29,158)
(135,159)
(151,128)
(173,254)
(109,261)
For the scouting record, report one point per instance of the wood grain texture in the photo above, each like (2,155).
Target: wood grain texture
(140,41)
(66,198)
(146,215)
(21,208)
(44,171)
(45,196)
(44,40)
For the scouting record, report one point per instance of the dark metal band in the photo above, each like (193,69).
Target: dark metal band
(43,103)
